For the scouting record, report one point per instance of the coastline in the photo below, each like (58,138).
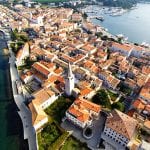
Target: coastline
(116,26)
(11,127)
(24,113)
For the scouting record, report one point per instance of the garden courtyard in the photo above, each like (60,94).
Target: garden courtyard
(52,136)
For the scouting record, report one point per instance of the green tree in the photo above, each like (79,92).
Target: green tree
(118,105)
(99,34)
(101,98)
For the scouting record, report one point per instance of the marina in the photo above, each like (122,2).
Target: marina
(126,22)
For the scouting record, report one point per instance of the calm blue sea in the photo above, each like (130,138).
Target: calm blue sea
(134,24)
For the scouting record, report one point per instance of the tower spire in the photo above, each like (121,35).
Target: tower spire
(69,82)
(69,70)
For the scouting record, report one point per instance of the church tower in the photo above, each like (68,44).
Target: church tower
(69,82)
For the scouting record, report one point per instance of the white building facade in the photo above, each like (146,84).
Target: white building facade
(69,82)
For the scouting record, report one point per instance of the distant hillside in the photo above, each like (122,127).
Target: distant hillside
(121,3)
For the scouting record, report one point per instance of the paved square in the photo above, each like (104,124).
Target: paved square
(97,128)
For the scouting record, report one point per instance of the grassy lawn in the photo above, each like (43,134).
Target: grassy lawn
(57,110)
(48,135)
(112,95)
(53,136)
(101,98)
(73,144)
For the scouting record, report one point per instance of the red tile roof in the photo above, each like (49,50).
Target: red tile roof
(122,124)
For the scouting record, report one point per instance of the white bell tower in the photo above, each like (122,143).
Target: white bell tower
(69,82)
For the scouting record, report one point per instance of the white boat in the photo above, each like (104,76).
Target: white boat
(120,35)
(145,44)
(126,38)
(101,18)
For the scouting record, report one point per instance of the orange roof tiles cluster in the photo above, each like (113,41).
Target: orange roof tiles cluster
(146,70)
(85,91)
(147,124)
(81,109)
(42,95)
(88,47)
(88,105)
(145,91)
(122,124)
(88,64)
(113,81)
(37,113)
(58,71)
(125,47)
(139,104)
(41,68)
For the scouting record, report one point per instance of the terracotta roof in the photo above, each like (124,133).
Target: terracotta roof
(37,113)
(113,81)
(88,47)
(54,78)
(83,84)
(58,70)
(88,63)
(146,70)
(145,91)
(67,58)
(131,112)
(139,48)
(125,47)
(138,104)
(42,95)
(41,68)
(48,65)
(122,124)
(147,124)
(85,91)
(88,105)
(81,116)
(101,54)
(81,109)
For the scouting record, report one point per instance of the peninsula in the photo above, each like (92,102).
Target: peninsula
(76,86)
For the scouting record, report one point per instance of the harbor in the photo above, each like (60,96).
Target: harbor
(115,24)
